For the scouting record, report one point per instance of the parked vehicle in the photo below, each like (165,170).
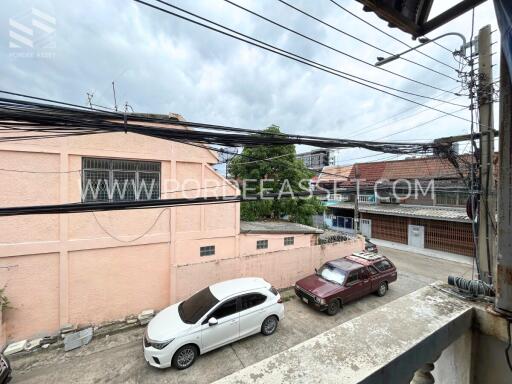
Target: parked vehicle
(346,279)
(369,246)
(5,369)
(215,316)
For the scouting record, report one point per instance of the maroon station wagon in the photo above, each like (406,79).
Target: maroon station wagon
(342,280)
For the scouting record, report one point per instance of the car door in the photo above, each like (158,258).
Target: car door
(354,287)
(366,283)
(227,328)
(253,309)
(375,277)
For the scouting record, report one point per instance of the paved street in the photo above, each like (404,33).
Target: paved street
(119,358)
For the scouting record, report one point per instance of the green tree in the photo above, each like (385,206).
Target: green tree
(283,173)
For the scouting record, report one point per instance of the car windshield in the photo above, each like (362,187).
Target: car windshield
(196,306)
(332,274)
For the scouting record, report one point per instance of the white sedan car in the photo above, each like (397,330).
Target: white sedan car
(215,316)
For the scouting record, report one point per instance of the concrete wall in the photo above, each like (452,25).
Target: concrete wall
(281,268)
(454,366)
(474,358)
(490,365)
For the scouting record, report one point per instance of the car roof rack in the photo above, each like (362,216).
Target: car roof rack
(370,256)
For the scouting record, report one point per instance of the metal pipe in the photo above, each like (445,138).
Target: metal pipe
(382,61)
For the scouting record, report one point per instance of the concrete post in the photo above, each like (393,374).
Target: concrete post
(424,375)
(503,282)
(487,210)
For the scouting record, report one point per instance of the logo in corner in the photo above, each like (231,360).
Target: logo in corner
(33,35)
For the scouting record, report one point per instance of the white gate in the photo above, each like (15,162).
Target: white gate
(416,236)
(366,227)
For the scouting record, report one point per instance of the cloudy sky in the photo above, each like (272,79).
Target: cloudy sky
(162,64)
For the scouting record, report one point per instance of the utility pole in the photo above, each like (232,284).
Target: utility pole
(503,279)
(487,208)
(356,203)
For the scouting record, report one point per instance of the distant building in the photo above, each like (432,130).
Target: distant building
(398,210)
(318,159)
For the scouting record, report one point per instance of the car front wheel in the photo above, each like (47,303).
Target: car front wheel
(269,325)
(333,307)
(383,288)
(184,357)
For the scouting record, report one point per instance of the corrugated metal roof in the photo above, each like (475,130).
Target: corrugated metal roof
(417,211)
(276,227)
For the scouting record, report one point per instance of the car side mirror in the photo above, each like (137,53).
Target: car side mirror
(212,321)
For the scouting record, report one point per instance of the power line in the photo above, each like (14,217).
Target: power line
(144,204)
(331,47)
(390,35)
(293,56)
(363,41)
(18,113)
(378,126)
(419,125)
(276,49)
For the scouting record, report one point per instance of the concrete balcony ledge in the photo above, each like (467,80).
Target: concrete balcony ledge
(387,345)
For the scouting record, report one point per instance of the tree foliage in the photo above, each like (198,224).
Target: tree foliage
(284,173)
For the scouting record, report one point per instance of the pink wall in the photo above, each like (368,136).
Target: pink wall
(79,268)
(111,283)
(281,268)
(32,285)
(275,242)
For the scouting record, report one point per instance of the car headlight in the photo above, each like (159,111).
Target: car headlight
(319,300)
(161,345)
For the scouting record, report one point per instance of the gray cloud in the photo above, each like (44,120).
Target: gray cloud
(162,64)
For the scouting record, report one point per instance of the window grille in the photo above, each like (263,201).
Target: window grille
(289,240)
(261,244)
(208,250)
(119,180)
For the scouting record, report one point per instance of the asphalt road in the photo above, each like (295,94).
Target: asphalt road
(119,359)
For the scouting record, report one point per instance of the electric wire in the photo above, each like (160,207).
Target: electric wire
(142,118)
(297,58)
(378,126)
(363,41)
(390,35)
(276,49)
(330,47)
(419,125)
(109,233)
(34,115)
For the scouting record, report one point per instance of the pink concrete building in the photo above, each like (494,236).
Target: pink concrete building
(93,267)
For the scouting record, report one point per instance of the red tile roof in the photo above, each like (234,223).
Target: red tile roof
(414,168)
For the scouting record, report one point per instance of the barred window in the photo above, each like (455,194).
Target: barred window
(208,250)
(119,180)
(289,240)
(261,244)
